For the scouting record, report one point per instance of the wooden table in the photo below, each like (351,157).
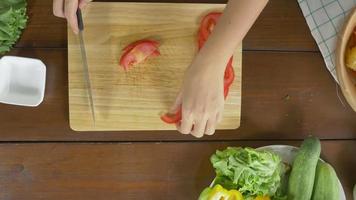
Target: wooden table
(287,94)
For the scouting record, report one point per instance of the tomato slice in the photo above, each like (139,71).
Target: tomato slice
(138,52)
(172,118)
(226,92)
(208,24)
(229,74)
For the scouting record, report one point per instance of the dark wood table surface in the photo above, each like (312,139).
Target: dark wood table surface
(42,158)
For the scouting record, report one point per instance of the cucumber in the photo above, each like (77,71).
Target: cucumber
(301,179)
(326,185)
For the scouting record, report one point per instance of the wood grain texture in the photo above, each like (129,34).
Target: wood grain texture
(135,99)
(286,95)
(130,171)
(313,105)
(281,26)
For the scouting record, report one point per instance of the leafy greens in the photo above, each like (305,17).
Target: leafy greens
(13,20)
(252,172)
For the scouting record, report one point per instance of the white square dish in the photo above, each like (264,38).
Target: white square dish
(22,81)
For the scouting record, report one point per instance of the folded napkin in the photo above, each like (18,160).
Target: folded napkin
(325,19)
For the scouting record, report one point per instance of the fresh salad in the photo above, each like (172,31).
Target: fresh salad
(246,173)
(13,20)
(250,174)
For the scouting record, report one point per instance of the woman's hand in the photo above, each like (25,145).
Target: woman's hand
(68,9)
(201,97)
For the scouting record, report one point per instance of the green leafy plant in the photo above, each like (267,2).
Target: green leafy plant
(13,20)
(252,172)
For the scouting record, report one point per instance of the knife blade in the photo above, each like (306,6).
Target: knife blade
(85,64)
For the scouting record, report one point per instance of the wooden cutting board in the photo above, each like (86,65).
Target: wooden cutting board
(134,100)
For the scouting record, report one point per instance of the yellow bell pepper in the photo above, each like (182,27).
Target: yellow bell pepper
(220,193)
(262,198)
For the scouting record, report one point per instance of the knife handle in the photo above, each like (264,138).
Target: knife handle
(80,20)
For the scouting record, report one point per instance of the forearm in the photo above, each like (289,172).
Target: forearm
(232,27)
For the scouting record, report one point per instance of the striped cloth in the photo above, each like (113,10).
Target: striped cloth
(325,18)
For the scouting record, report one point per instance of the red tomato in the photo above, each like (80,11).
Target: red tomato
(226,92)
(172,118)
(229,74)
(138,52)
(208,24)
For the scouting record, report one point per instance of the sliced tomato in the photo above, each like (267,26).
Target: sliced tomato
(226,92)
(208,24)
(138,52)
(134,44)
(174,118)
(206,27)
(228,77)
(229,74)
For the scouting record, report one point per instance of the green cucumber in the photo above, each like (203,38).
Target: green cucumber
(326,184)
(301,179)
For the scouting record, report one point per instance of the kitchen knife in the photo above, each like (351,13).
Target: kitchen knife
(85,63)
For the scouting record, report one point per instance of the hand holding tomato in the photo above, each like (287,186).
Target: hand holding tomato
(201,97)
(67,9)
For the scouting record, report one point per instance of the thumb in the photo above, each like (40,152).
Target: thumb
(178,102)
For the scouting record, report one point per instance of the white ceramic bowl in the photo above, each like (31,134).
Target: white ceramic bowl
(22,81)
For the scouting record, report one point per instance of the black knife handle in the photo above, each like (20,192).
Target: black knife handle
(80,20)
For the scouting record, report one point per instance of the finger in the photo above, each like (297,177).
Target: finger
(199,128)
(83,3)
(185,127)
(210,127)
(70,12)
(58,8)
(177,104)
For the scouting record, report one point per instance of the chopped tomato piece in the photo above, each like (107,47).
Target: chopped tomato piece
(208,24)
(229,74)
(138,52)
(156,53)
(206,28)
(226,92)
(172,118)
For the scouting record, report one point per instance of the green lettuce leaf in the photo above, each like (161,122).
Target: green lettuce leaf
(252,172)
(13,20)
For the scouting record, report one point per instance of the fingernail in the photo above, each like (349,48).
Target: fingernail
(198,136)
